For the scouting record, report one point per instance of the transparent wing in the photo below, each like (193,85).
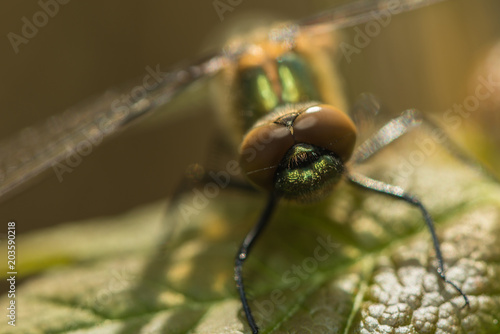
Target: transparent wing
(360,12)
(345,16)
(39,148)
(84,126)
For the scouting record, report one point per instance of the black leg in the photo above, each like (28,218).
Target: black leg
(243,255)
(399,193)
(401,125)
(196,177)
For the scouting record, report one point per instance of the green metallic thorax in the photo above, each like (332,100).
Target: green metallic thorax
(260,94)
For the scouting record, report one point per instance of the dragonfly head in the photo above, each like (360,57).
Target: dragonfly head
(298,150)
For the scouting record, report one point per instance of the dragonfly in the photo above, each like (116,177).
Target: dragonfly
(294,140)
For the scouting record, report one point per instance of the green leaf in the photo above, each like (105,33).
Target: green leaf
(358,262)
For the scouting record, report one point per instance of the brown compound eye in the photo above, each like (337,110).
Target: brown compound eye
(261,152)
(327,127)
(266,145)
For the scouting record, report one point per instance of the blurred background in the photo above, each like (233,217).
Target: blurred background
(429,59)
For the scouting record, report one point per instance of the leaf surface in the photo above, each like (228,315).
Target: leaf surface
(358,262)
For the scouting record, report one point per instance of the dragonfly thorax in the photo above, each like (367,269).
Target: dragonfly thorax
(273,83)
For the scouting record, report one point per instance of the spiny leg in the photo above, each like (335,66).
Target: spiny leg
(391,131)
(401,125)
(242,255)
(399,193)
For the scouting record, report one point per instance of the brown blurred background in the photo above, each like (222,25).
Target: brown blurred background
(423,59)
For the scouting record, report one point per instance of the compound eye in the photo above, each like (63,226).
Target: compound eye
(261,152)
(327,127)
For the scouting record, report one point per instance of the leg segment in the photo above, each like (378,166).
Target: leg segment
(391,131)
(242,255)
(399,193)
(401,125)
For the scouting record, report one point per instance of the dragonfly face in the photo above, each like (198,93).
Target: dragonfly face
(299,150)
